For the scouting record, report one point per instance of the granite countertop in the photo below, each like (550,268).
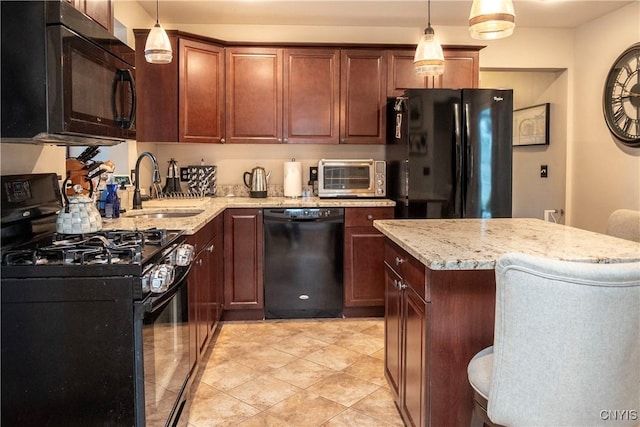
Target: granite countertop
(213,206)
(468,244)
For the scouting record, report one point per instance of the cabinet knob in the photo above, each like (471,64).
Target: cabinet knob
(210,248)
(403,286)
(223,141)
(199,262)
(286,140)
(369,217)
(396,284)
(400,261)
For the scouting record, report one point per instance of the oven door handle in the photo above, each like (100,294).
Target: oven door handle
(154,303)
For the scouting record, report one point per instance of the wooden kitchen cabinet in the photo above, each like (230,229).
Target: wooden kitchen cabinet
(205,287)
(311,96)
(182,101)
(201,92)
(435,322)
(254,95)
(277,95)
(243,263)
(100,11)
(363,96)
(461,70)
(364,262)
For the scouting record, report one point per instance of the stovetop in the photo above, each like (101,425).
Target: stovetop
(101,253)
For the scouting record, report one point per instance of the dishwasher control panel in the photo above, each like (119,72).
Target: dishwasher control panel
(304,213)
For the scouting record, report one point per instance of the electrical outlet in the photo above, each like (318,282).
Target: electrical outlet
(313,174)
(184,174)
(544,171)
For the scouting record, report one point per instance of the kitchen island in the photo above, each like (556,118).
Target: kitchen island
(440,300)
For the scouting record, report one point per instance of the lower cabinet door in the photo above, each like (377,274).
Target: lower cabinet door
(363,267)
(415,373)
(392,331)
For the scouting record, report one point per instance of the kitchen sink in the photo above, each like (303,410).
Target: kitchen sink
(182,213)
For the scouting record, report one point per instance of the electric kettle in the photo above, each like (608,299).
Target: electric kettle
(256,181)
(80,214)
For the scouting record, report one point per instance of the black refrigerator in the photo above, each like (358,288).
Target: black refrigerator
(449,153)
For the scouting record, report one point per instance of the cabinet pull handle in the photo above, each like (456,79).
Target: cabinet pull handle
(369,217)
(396,284)
(199,262)
(400,260)
(210,248)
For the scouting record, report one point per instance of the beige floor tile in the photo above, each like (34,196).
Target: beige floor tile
(228,375)
(302,373)
(264,359)
(294,373)
(361,343)
(379,354)
(353,418)
(304,409)
(379,405)
(368,368)
(264,392)
(343,389)
(220,410)
(334,357)
(299,345)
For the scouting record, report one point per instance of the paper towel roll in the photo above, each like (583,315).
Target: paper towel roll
(292,179)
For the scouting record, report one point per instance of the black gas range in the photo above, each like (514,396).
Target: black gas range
(95,327)
(135,253)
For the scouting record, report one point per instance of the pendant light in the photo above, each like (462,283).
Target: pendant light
(157,50)
(429,58)
(491,19)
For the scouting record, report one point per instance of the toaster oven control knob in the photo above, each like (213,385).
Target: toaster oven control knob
(380,191)
(380,182)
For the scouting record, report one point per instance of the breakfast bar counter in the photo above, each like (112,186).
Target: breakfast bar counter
(472,244)
(440,300)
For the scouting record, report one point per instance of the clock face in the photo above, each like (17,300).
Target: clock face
(621,100)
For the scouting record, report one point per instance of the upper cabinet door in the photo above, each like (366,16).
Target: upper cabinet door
(311,96)
(402,73)
(363,89)
(201,92)
(460,69)
(254,95)
(157,100)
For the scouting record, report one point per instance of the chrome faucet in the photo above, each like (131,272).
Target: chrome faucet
(137,198)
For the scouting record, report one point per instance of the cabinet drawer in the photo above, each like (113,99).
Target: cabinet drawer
(408,268)
(206,233)
(364,217)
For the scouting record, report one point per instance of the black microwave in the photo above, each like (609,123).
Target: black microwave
(65,79)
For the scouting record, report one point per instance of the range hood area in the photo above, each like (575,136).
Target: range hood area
(65,79)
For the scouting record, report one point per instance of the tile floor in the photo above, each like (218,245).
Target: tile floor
(302,373)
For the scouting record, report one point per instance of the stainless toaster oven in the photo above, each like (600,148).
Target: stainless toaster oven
(352,178)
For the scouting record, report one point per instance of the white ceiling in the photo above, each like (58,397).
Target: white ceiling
(385,13)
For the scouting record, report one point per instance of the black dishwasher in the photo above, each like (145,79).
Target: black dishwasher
(303,262)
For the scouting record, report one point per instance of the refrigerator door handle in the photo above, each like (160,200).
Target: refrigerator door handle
(470,160)
(457,188)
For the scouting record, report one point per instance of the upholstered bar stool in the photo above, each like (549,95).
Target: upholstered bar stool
(566,345)
(624,223)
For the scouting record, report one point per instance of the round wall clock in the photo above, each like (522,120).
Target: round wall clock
(621,100)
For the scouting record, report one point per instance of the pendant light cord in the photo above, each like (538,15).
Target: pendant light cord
(429,13)
(157,11)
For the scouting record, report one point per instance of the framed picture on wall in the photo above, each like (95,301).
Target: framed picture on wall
(531,125)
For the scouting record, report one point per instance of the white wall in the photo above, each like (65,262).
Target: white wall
(603,174)
(531,193)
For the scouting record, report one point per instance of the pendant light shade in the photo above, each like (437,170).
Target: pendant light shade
(491,19)
(157,50)
(429,58)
